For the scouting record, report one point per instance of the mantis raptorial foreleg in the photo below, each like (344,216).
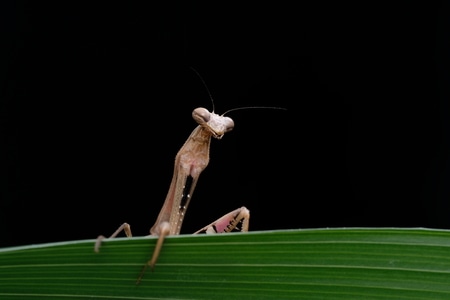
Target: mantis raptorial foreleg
(229,222)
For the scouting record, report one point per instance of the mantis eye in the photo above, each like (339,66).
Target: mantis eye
(228,124)
(201,115)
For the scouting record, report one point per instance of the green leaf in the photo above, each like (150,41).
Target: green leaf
(289,264)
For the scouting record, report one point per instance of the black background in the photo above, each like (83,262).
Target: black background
(96,100)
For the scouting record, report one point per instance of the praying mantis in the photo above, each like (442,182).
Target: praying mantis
(190,161)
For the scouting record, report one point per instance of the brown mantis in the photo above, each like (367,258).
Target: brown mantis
(190,161)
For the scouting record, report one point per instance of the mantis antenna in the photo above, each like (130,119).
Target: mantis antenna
(233,109)
(206,87)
